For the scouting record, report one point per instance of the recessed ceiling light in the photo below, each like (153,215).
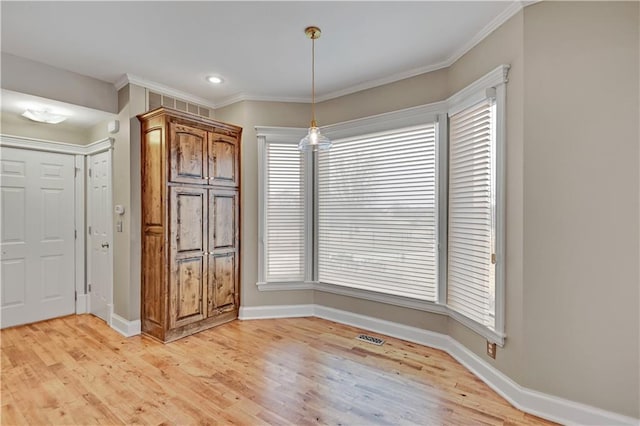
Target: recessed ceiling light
(214,79)
(44,116)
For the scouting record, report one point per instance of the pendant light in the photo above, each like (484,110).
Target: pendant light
(314,141)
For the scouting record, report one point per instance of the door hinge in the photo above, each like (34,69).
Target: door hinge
(89,172)
(75,234)
(493,259)
(75,171)
(89,229)
(76,295)
(89,288)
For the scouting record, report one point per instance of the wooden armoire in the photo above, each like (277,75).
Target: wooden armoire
(190,223)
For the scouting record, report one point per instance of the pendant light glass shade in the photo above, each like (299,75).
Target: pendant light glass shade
(314,141)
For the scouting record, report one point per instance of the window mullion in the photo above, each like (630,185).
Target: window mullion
(310,215)
(442,156)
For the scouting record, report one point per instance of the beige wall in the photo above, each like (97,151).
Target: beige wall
(35,78)
(121,195)
(15,125)
(581,198)
(411,317)
(503,46)
(419,90)
(127,192)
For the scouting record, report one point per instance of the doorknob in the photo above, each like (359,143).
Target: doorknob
(105,245)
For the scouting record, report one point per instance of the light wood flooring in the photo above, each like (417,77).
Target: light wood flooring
(76,370)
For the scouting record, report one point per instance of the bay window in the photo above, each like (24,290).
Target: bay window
(406,208)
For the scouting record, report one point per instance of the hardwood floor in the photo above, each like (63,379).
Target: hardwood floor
(76,370)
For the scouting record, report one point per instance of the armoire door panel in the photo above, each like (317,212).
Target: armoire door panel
(188,219)
(223,218)
(153,185)
(223,156)
(188,154)
(222,283)
(152,277)
(188,290)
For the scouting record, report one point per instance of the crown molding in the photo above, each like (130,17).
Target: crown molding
(382,81)
(121,82)
(503,17)
(495,23)
(161,88)
(258,98)
(184,96)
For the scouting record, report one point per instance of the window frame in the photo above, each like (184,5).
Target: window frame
(266,135)
(493,84)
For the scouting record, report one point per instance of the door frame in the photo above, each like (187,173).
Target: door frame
(80,152)
(99,149)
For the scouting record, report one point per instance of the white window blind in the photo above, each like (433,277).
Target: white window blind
(377,213)
(471,272)
(284,205)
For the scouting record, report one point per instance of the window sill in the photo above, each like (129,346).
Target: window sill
(285,285)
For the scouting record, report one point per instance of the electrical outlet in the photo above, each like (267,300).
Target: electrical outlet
(491,349)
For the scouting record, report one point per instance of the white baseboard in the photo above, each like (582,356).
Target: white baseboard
(125,327)
(393,329)
(540,404)
(537,403)
(275,311)
(82,304)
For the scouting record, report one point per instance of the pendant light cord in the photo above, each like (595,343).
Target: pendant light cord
(313,82)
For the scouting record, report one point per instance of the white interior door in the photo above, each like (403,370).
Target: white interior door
(37,236)
(100,281)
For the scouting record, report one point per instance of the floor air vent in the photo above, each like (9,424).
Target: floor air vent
(370,339)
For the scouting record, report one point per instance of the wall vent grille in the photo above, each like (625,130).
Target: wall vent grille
(156,100)
(370,339)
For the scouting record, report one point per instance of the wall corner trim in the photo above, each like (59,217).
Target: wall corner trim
(82,304)
(125,327)
(537,403)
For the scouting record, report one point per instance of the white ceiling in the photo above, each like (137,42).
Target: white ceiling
(259,48)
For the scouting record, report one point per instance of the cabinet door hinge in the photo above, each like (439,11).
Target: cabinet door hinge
(493,259)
